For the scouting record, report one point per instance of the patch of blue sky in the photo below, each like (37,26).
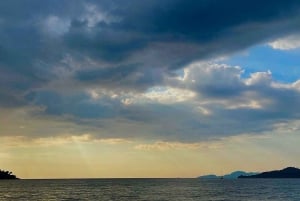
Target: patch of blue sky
(284,64)
(180,73)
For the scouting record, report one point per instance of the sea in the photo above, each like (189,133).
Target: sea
(150,189)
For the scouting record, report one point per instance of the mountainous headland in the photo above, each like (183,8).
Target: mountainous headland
(289,172)
(7,175)
(233,175)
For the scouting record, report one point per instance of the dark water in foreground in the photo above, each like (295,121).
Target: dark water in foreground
(150,189)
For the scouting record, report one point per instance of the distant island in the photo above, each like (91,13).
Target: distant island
(7,175)
(233,175)
(289,172)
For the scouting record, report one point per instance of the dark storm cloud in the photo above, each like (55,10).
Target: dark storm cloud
(202,20)
(108,44)
(215,27)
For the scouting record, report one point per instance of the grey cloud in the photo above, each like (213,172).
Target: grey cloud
(108,45)
(78,105)
(213,27)
(130,77)
(214,80)
(228,114)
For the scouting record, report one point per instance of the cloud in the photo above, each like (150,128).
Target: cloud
(286,43)
(130,77)
(165,146)
(169,95)
(155,36)
(112,68)
(25,142)
(54,26)
(214,79)
(77,105)
(188,108)
(169,37)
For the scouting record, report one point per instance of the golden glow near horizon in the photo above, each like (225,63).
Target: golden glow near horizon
(82,157)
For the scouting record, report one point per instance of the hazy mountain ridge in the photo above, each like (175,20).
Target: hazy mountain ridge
(233,175)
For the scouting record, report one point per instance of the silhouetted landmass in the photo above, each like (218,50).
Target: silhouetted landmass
(289,172)
(233,175)
(7,175)
(210,176)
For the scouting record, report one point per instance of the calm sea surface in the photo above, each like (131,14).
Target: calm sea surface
(150,189)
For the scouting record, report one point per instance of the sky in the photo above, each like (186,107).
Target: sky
(173,88)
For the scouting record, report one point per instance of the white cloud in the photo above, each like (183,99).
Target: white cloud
(159,94)
(287,43)
(260,78)
(211,78)
(169,95)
